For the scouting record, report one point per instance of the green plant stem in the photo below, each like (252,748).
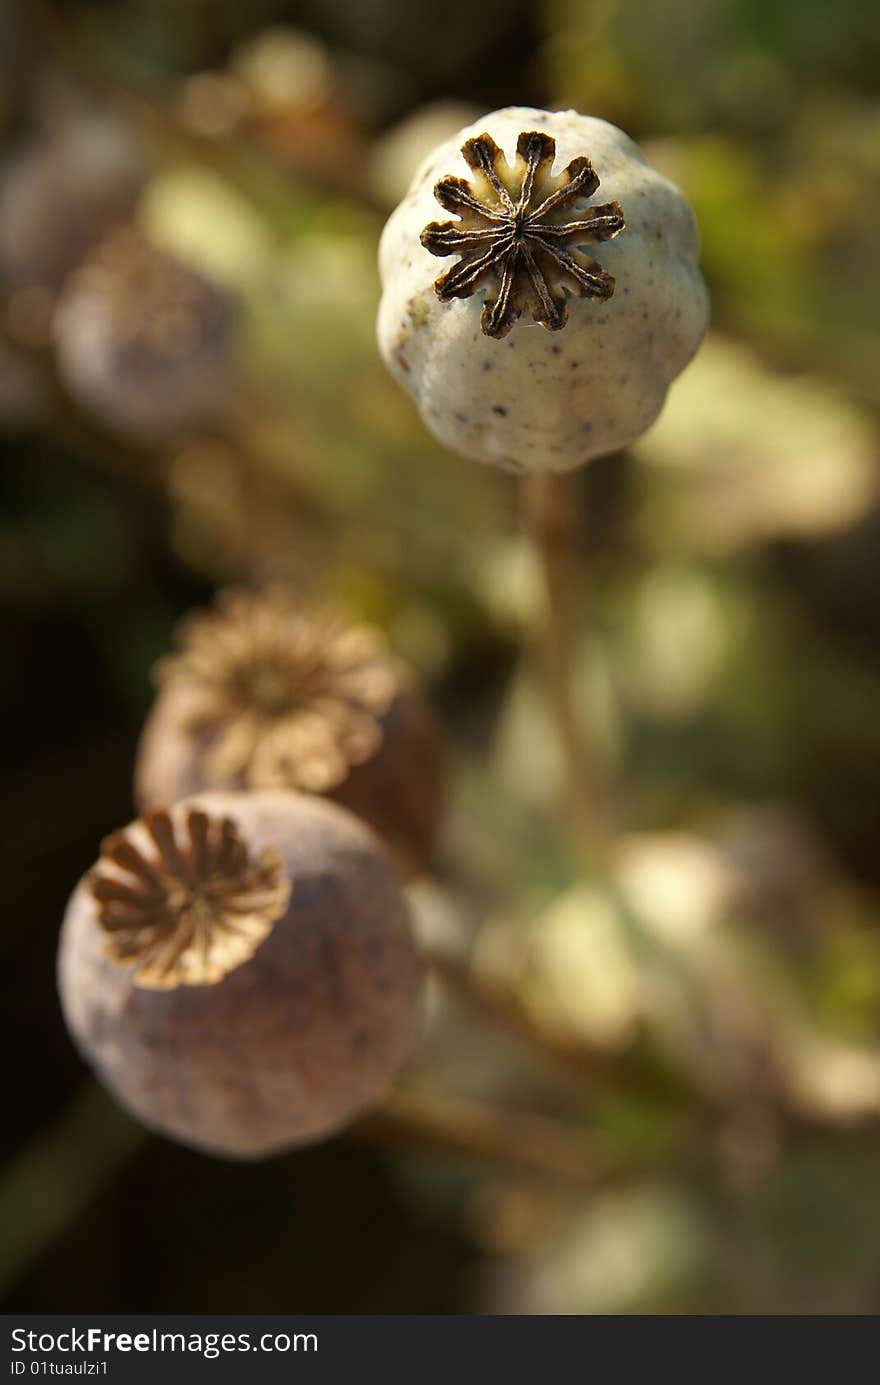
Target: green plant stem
(52,1179)
(550,511)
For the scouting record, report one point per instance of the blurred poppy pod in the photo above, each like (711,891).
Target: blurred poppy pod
(399,151)
(239,970)
(144,342)
(571,297)
(61,191)
(265,695)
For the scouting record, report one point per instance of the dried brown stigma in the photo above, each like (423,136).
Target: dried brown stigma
(184,912)
(512,235)
(286,698)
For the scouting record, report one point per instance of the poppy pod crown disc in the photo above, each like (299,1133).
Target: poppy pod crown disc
(266,693)
(186,903)
(287,698)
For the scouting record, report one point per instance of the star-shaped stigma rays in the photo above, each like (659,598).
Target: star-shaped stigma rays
(512,235)
(186,903)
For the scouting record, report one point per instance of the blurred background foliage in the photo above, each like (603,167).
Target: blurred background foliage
(222,415)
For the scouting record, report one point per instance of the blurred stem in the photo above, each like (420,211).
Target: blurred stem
(49,1183)
(514,1140)
(580,1069)
(550,512)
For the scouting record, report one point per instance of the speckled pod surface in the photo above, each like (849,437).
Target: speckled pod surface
(539,400)
(292,1044)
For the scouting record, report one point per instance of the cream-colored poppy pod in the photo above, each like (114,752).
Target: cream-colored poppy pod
(574,301)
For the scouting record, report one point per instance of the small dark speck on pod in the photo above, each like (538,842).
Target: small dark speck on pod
(575,364)
(462,418)
(499,409)
(487,365)
(556,350)
(587,427)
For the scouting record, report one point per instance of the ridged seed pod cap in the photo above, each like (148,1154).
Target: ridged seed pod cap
(266,694)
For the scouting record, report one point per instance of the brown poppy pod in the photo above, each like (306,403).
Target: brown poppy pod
(240,972)
(266,695)
(144,342)
(62,190)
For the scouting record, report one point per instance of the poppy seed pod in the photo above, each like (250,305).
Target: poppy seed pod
(61,191)
(266,695)
(574,301)
(239,970)
(144,342)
